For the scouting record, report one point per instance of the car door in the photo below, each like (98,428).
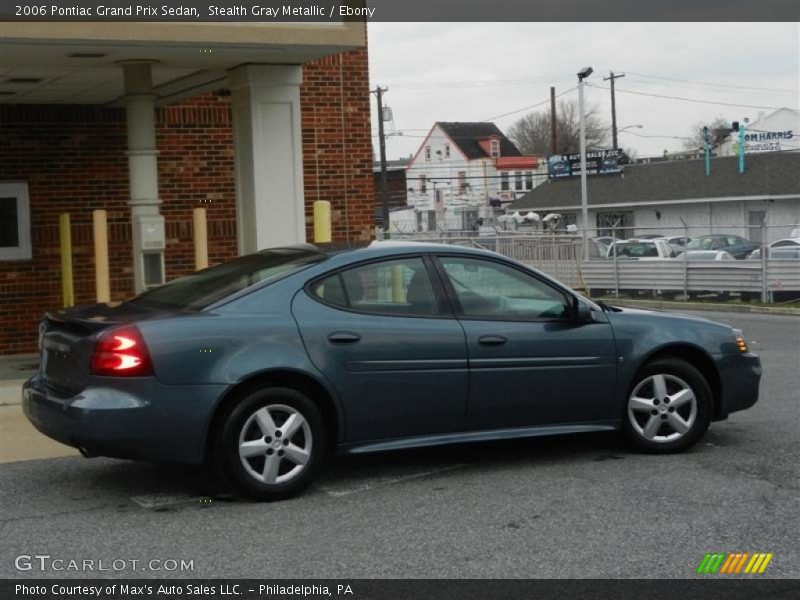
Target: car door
(530,362)
(384,336)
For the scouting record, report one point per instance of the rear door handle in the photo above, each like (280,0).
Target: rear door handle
(492,340)
(344,338)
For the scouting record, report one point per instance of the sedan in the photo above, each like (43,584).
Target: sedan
(736,245)
(265,365)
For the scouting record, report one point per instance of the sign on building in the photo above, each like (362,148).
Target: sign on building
(598,162)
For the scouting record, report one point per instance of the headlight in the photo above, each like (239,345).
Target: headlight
(741,344)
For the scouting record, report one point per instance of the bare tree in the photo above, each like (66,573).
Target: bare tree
(531,133)
(718,130)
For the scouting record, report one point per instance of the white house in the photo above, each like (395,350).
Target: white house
(463,172)
(778,131)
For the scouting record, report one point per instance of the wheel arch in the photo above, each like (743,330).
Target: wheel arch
(695,356)
(304,382)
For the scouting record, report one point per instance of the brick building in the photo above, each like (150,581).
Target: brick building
(75,158)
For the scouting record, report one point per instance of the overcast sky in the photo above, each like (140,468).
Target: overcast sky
(476,71)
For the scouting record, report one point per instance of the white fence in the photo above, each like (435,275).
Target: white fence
(561,257)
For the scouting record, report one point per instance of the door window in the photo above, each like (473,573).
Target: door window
(399,287)
(487,289)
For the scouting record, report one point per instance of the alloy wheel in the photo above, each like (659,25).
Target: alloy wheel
(275,444)
(662,408)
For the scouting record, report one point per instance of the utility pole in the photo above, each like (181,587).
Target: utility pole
(378,91)
(612,77)
(582,75)
(552,121)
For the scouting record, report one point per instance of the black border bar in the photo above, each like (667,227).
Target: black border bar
(710,587)
(338,11)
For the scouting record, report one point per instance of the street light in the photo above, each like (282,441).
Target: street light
(582,75)
(630,127)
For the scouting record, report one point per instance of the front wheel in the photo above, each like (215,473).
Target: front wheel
(271,444)
(669,407)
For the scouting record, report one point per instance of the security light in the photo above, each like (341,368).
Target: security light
(585,72)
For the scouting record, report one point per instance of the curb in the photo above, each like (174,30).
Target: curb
(765,310)
(10,392)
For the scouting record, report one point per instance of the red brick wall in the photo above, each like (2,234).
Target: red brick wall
(337,147)
(73,159)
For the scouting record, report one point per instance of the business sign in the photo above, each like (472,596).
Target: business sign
(766,141)
(598,162)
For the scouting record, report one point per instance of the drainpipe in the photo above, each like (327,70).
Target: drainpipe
(148,224)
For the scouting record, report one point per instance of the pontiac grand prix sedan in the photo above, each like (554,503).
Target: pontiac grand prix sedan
(264,365)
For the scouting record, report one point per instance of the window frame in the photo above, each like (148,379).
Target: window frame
(455,304)
(517,181)
(427,153)
(442,305)
(24,248)
(505,185)
(447,150)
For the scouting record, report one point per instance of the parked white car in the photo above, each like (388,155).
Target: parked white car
(705,255)
(642,249)
(779,253)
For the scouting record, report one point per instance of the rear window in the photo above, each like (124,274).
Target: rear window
(635,249)
(204,288)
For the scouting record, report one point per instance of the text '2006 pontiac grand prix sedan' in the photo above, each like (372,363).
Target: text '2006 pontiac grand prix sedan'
(264,365)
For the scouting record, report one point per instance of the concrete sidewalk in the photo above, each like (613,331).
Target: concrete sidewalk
(19,440)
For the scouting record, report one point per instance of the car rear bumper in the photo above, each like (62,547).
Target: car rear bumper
(740,377)
(137,418)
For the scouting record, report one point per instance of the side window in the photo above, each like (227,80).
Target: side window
(399,287)
(492,290)
(734,240)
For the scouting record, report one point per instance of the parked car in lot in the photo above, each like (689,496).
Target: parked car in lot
(704,255)
(779,253)
(264,365)
(790,242)
(642,249)
(736,245)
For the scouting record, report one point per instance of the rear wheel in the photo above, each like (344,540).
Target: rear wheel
(669,407)
(271,444)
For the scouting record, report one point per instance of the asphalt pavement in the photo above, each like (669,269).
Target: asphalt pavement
(576,506)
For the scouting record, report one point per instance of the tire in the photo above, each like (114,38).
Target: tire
(655,426)
(276,467)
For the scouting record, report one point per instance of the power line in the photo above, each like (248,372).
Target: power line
(601,87)
(513,112)
(721,85)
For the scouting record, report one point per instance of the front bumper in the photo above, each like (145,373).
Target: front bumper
(740,377)
(138,418)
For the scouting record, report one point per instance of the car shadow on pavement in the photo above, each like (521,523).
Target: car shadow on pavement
(159,486)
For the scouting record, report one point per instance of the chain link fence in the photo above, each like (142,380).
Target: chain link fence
(746,263)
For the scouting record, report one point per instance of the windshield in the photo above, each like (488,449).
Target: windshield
(701,243)
(638,249)
(204,288)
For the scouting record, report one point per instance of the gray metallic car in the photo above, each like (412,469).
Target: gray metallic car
(264,365)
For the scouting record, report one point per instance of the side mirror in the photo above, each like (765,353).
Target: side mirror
(582,312)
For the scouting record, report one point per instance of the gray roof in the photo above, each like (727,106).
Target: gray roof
(766,174)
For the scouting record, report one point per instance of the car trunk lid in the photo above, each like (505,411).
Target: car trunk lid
(68,337)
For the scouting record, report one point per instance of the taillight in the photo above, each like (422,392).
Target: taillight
(121,352)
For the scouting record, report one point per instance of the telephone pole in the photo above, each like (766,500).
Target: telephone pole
(378,91)
(552,121)
(612,77)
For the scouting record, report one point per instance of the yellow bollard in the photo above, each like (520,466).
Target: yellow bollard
(322,221)
(65,235)
(200,239)
(102,283)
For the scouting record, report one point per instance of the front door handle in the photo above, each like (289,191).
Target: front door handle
(344,338)
(492,340)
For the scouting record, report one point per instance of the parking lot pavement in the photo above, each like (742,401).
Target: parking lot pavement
(552,507)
